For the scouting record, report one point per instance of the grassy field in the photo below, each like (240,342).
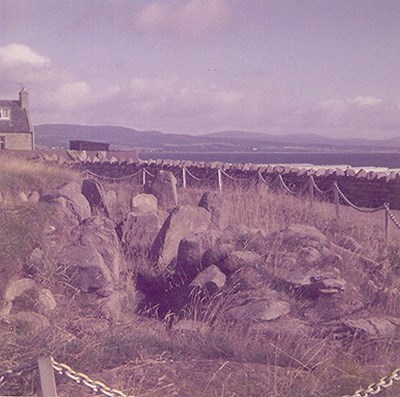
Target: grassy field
(146,357)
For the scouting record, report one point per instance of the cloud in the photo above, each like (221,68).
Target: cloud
(185,105)
(13,55)
(192,17)
(179,105)
(73,94)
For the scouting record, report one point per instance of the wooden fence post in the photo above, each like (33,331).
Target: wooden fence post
(219,179)
(144,177)
(47,379)
(184,177)
(337,202)
(311,189)
(386,224)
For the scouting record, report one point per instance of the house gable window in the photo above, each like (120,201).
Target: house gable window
(5,114)
(2,142)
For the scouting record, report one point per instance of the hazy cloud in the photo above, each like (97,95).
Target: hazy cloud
(181,105)
(193,16)
(13,55)
(73,94)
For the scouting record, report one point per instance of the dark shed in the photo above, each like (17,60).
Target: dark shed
(87,145)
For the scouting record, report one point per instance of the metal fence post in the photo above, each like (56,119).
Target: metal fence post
(47,379)
(219,179)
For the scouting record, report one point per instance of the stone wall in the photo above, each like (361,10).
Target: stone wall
(64,156)
(17,140)
(364,188)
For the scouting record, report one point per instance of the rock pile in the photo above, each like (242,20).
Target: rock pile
(292,282)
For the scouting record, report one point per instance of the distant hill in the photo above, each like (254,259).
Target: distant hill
(58,135)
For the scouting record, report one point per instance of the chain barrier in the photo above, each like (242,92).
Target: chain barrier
(348,202)
(375,388)
(80,378)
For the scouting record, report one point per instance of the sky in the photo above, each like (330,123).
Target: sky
(330,67)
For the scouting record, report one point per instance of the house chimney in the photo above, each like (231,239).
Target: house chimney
(24,98)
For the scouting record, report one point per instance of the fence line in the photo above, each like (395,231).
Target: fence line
(47,367)
(312,187)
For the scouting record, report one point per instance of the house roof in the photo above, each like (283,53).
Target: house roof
(19,119)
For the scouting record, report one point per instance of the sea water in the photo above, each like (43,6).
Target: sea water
(353,159)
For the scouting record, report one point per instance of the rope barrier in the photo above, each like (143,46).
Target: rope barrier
(232,177)
(391,215)
(110,178)
(320,191)
(195,177)
(262,178)
(283,184)
(148,172)
(348,202)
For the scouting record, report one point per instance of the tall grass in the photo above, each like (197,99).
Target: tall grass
(18,174)
(267,364)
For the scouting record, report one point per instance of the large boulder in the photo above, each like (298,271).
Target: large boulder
(143,203)
(259,310)
(95,195)
(210,279)
(111,200)
(29,323)
(163,187)
(196,252)
(99,233)
(313,282)
(69,196)
(138,233)
(241,259)
(213,202)
(86,270)
(372,327)
(25,295)
(181,223)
